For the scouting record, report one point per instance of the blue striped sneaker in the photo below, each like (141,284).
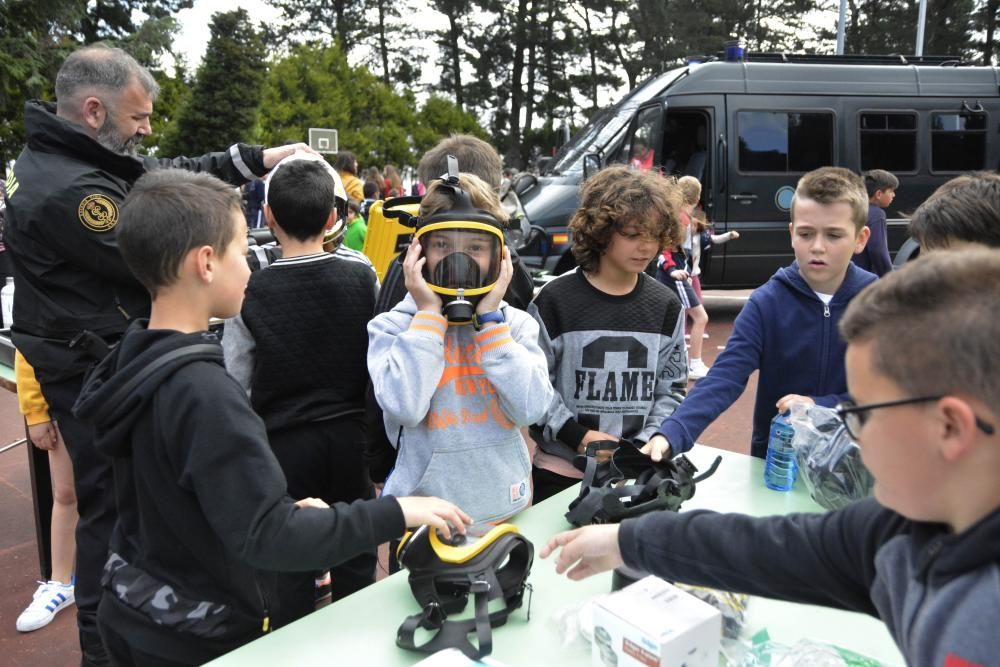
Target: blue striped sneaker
(50,598)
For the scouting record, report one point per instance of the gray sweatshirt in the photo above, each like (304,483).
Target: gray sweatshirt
(615,360)
(457,398)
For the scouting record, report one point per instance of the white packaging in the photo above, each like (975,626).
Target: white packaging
(654,624)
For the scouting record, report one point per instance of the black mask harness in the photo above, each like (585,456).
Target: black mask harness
(662,485)
(444,573)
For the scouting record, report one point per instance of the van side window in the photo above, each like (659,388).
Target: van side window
(958,141)
(784,141)
(888,141)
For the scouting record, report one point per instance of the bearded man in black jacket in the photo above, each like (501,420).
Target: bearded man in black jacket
(76,296)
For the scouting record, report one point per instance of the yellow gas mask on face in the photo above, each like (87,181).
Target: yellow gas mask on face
(463,247)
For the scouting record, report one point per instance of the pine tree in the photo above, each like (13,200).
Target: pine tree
(226,96)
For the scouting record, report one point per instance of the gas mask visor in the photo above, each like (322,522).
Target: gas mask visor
(463,256)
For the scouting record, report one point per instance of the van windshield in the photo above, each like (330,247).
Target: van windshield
(608,123)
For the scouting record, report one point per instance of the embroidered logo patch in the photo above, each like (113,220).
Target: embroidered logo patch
(98,213)
(518,491)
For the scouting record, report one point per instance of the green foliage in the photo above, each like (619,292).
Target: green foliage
(440,117)
(37,35)
(175,94)
(226,96)
(112,20)
(315,87)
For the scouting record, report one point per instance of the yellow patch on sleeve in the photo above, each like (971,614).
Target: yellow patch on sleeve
(98,213)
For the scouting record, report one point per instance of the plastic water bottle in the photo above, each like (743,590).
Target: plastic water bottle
(7,303)
(781,467)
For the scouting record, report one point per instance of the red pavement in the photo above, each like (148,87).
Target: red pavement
(56,644)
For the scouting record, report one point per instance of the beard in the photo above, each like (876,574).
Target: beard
(109,137)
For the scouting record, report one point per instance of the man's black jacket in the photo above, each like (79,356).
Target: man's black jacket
(63,205)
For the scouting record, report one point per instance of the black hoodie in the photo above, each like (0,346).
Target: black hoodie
(202,506)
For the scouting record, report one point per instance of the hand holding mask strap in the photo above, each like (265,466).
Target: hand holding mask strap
(662,485)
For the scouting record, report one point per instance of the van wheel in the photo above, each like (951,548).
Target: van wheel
(566,263)
(909,251)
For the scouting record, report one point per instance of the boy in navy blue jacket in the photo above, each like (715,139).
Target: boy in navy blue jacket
(881,186)
(788,328)
(924,554)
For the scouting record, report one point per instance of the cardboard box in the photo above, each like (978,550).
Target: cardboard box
(654,624)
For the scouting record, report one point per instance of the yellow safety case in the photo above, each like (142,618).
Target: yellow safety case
(386,237)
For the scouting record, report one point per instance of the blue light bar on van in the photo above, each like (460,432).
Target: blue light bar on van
(734,51)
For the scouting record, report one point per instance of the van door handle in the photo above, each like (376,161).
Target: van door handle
(720,153)
(744,197)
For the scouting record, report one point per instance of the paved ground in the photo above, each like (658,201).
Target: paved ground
(56,644)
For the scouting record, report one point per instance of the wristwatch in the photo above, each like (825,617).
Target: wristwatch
(494,316)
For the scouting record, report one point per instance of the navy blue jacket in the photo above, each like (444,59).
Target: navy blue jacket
(786,332)
(875,256)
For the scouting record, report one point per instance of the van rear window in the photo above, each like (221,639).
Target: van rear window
(888,141)
(958,141)
(784,141)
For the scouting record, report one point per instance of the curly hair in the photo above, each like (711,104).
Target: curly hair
(690,188)
(617,197)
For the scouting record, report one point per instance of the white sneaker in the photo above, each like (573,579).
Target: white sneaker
(50,598)
(697,370)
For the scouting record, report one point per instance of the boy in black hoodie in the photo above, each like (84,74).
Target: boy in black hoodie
(201,499)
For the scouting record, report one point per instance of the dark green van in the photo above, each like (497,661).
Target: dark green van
(750,129)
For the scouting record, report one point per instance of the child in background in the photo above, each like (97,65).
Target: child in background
(354,237)
(56,594)
(881,186)
(455,395)
(702,244)
(298,347)
(924,554)
(608,305)
(203,509)
(675,272)
(371,196)
(787,329)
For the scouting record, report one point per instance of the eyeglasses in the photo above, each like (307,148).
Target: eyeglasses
(854,416)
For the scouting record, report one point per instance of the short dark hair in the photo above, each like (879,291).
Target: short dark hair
(474,155)
(966,208)
(100,69)
(168,213)
(345,162)
(301,196)
(912,316)
(616,197)
(370,189)
(879,179)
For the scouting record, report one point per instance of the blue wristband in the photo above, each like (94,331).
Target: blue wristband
(494,316)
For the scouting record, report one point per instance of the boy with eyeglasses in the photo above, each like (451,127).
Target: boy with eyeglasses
(924,554)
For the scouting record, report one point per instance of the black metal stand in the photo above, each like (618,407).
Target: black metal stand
(41,496)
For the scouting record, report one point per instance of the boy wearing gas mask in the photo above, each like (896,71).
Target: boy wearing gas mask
(456,370)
